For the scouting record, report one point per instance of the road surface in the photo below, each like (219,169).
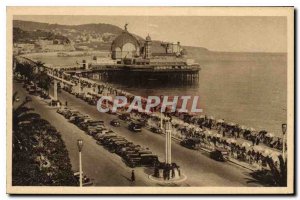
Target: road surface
(107,169)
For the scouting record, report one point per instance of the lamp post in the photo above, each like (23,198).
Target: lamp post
(161,114)
(80,145)
(284,128)
(168,128)
(55,90)
(161,121)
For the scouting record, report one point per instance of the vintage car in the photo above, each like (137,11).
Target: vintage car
(115,123)
(135,127)
(191,143)
(140,160)
(219,154)
(156,130)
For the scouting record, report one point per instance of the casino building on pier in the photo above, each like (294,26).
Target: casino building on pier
(145,60)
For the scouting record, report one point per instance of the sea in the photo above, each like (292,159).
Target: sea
(249,89)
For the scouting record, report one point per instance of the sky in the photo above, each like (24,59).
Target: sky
(216,33)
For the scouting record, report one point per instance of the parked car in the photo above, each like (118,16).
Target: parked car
(71,113)
(62,110)
(123,147)
(105,138)
(104,133)
(93,130)
(85,125)
(76,116)
(135,127)
(132,160)
(219,154)
(137,160)
(80,118)
(115,144)
(148,160)
(191,143)
(115,123)
(156,130)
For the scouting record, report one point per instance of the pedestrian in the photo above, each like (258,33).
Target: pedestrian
(156,172)
(164,174)
(253,140)
(257,140)
(173,172)
(132,176)
(66,103)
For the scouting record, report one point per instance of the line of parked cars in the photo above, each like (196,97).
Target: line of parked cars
(85,97)
(133,126)
(133,155)
(33,89)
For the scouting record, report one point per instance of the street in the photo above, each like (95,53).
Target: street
(107,169)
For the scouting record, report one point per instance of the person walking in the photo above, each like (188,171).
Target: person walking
(132,176)
(173,172)
(66,103)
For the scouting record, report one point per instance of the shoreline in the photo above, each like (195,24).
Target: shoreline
(270,124)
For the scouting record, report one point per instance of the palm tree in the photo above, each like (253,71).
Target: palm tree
(279,174)
(276,175)
(44,81)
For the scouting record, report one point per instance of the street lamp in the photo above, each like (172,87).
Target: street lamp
(168,130)
(80,145)
(284,128)
(168,125)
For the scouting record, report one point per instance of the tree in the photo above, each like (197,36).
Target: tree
(274,176)
(279,174)
(43,80)
(40,65)
(25,69)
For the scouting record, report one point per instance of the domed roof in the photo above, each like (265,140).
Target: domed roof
(124,38)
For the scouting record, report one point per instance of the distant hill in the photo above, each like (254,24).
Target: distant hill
(98,28)
(20,35)
(106,32)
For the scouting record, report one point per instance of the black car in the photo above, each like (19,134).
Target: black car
(145,160)
(135,127)
(156,130)
(190,143)
(219,154)
(148,160)
(115,123)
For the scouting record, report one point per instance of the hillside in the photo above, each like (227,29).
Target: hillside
(98,28)
(97,36)
(20,35)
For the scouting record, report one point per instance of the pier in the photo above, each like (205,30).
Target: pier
(141,75)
